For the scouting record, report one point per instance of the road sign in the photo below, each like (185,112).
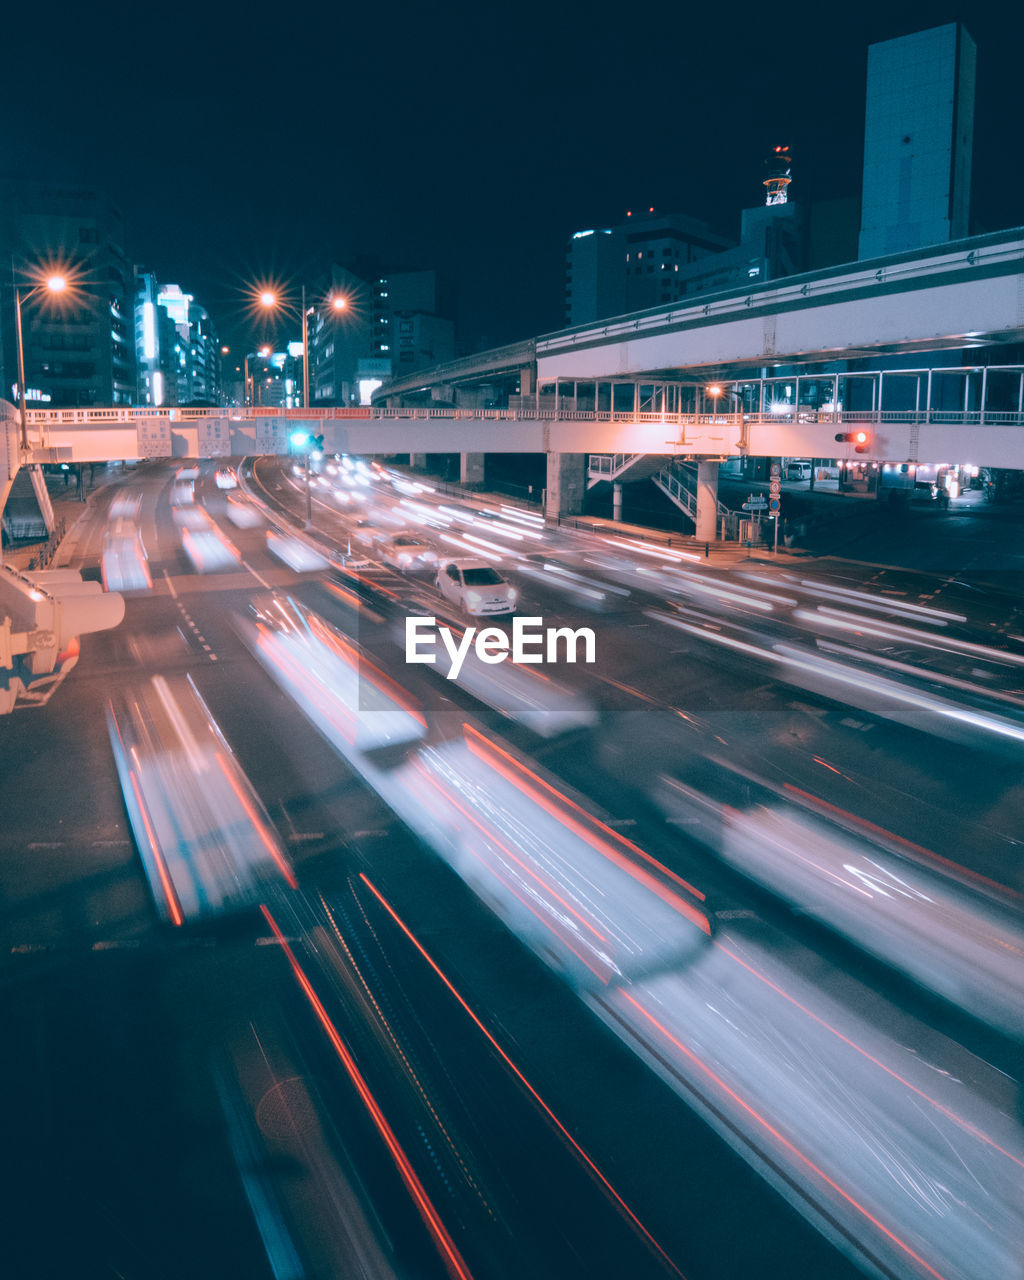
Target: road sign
(774,488)
(776,470)
(755,503)
(773,506)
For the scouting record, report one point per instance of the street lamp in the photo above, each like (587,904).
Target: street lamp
(249,390)
(715,391)
(52,284)
(270,300)
(338,303)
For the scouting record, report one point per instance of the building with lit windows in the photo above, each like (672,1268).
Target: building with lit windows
(80,349)
(613,270)
(176,346)
(389,324)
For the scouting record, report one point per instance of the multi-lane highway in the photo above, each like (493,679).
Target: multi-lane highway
(704,958)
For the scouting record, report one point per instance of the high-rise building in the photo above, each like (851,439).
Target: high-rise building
(177,351)
(79,350)
(633,266)
(389,326)
(918,138)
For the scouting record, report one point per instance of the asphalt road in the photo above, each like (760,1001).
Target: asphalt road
(175,1106)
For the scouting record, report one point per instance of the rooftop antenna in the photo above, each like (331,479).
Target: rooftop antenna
(778,164)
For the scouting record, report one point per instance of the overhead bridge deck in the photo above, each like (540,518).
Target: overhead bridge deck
(939,415)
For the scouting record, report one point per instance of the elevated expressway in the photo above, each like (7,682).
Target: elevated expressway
(801,360)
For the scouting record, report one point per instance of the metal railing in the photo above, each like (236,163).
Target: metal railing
(610,464)
(134,416)
(673,483)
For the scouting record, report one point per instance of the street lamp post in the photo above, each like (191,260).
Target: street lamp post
(305,361)
(21,370)
(270,301)
(52,284)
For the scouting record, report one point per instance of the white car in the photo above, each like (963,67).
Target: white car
(225,479)
(407,551)
(476,587)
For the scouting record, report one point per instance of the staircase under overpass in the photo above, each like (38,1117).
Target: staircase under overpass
(676,478)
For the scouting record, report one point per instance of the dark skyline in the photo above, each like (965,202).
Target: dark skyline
(253,141)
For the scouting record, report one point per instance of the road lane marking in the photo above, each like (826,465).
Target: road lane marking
(261,580)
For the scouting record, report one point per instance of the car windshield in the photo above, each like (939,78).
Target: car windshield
(485,577)
(406,542)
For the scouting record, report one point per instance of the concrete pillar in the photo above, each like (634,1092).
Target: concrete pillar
(707,500)
(471,468)
(566,484)
(528,380)
(418,460)
(616,500)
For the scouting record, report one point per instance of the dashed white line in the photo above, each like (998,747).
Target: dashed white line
(262,581)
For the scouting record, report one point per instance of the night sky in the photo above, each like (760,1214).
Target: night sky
(247,141)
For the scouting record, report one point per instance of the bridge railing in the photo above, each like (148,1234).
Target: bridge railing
(132,416)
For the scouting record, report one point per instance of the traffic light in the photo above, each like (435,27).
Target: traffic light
(861,440)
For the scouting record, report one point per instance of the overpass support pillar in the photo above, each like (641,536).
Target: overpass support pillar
(566,484)
(707,501)
(617,500)
(471,468)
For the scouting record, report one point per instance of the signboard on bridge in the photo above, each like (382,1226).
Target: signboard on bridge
(154,438)
(214,437)
(271,435)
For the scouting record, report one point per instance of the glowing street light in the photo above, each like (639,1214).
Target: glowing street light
(54,283)
(269,299)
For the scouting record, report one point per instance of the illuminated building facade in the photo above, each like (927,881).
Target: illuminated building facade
(80,352)
(176,347)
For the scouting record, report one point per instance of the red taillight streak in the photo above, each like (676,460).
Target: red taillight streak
(177,916)
(909,845)
(601,1178)
(789,1146)
(374,586)
(515,775)
(545,885)
(824,764)
(352,600)
(950,1115)
(174,906)
(393,1037)
(257,820)
(453,1259)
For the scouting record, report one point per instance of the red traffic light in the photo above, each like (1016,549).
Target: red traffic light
(861,440)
